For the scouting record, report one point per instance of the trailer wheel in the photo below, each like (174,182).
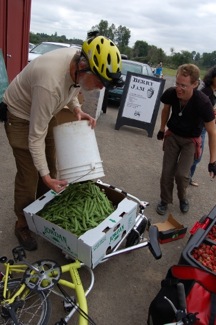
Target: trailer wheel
(133,237)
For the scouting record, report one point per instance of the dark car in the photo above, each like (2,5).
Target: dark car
(115,94)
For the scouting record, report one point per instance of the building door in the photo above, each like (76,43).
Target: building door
(14,34)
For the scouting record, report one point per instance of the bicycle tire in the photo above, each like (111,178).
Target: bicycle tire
(133,237)
(36,309)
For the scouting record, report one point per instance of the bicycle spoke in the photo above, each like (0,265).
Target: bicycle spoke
(31,310)
(34,311)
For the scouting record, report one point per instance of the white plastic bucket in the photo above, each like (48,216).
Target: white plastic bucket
(78,157)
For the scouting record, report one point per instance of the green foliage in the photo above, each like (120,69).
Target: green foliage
(169,72)
(156,55)
(120,35)
(172,72)
(41,37)
(208,59)
(105,30)
(141,50)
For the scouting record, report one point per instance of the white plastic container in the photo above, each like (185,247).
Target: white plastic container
(78,157)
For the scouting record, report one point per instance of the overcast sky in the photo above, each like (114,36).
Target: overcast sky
(183,25)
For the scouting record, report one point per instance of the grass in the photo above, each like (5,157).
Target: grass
(172,72)
(169,72)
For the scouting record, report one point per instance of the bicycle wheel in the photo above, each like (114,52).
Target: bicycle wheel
(35,310)
(133,237)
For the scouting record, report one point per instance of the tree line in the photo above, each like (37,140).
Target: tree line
(141,51)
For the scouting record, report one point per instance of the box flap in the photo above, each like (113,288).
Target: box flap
(170,223)
(37,205)
(174,222)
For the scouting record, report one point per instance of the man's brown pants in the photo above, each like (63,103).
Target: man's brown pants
(177,161)
(28,183)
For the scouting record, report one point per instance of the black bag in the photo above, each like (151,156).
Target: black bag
(3,112)
(200,290)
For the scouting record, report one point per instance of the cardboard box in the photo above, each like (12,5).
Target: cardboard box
(92,246)
(170,230)
(93,102)
(65,116)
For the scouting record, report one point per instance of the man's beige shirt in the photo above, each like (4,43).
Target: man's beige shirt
(40,91)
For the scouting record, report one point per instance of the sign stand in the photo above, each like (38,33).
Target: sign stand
(140,102)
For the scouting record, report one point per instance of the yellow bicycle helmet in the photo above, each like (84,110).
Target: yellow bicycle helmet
(104,59)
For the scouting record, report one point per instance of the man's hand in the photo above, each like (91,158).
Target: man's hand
(80,115)
(160,135)
(54,184)
(212,169)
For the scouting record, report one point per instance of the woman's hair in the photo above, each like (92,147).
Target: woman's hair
(209,76)
(190,70)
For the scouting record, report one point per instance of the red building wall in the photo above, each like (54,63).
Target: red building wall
(14,34)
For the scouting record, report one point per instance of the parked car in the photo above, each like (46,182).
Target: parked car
(31,46)
(124,56)
(115,94)
(45,47)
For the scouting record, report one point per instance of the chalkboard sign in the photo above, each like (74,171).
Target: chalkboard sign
(3,76)
(140,102)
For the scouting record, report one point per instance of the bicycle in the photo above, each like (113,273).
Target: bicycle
(182,316)
(26,300)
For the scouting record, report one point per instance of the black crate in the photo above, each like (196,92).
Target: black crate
(197,240)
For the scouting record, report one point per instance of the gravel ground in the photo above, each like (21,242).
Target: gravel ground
(124,285)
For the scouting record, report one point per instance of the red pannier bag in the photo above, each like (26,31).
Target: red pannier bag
(201,297)
(200,290)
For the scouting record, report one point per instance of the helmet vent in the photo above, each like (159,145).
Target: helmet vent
(109,59)
(96,61)
(118,58)
(95,71)
(98,48)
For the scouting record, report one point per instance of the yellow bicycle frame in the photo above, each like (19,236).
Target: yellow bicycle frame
(77,286)
(23,291)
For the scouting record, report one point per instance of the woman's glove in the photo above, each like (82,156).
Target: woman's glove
(160,135)
(212,168)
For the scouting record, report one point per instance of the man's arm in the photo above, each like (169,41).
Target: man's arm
(165,113)
(211,130)
(164,116)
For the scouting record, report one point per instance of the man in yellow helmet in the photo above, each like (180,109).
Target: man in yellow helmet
(104,59)
(43,88)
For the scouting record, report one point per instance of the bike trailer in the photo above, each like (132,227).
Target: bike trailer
(197,304)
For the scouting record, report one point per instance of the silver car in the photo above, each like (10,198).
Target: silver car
(31,46)
(45,47)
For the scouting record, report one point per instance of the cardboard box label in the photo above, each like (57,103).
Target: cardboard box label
(55,235)
(116,234)
(51,233)
(99,244)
